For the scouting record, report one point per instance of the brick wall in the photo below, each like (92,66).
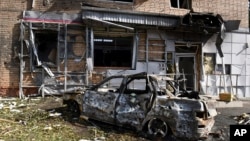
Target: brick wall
(158,6)
(10,15)
(228,9)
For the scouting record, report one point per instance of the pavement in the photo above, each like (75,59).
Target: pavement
(216,102)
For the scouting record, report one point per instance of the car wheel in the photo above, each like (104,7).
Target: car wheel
(73,108)
(157,128)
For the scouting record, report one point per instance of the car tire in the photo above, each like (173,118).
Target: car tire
(157,128)
(73,108)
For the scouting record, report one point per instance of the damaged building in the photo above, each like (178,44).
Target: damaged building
(61,46)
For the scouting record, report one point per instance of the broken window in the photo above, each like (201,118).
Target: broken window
(209,63)
(46,44)
(113,51)
(137,84)
(185,4)
(220,69)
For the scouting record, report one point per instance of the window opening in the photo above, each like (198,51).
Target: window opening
(137,84)
(46,44)
(111,85)
(185,4)
(227,69)
(113,51)
(209,63)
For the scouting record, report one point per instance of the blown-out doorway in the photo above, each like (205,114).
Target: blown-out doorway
(185,67)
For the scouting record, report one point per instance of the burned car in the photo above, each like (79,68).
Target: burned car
(149,103)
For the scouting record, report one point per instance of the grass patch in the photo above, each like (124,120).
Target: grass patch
(31,120)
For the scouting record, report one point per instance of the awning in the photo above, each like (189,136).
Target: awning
(51,17)
(129,17)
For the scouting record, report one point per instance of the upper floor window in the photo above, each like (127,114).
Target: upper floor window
(185,4)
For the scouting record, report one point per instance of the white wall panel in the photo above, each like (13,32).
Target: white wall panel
(247,69)
(248,42)
(209,47)
(248,80)
(211,80)
(239,38)
(238,48)
(240,92)
(238,59)
(242,80)
(220,80)
(247,92)
(236,69)
(226,47)
(227,58)
(248,59)
(234,80)
(228,38)
(248,38)
(248,49)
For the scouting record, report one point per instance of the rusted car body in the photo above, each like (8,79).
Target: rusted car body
(148,103)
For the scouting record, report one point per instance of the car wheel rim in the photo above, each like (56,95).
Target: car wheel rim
(157,127)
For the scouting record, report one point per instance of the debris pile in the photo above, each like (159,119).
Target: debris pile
(243,119)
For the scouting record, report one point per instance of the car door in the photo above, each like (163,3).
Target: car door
(131,106)
(99,103)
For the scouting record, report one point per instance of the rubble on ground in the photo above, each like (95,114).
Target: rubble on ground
(243,119)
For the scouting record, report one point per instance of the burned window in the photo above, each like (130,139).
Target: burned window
(219,69)
(111,85)
(113,51)
(185,4)
(137,84)
(209,63)
(46,44)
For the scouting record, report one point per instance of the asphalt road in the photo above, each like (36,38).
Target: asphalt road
(225,118)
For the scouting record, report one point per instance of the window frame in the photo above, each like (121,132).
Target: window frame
(210,62)
(188,4)
(107,50)
(228,69)
(108,33)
